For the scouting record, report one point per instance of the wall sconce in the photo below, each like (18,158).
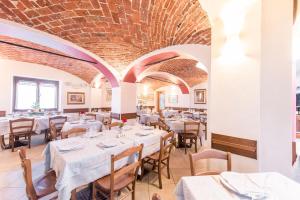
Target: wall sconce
(233,17)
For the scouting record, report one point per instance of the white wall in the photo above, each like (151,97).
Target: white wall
(147,94)
(67,82)
(184,100)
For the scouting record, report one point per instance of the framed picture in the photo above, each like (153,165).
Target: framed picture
(200,96)
(173,99)
(75,98)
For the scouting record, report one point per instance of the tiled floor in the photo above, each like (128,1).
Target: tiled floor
(12,186)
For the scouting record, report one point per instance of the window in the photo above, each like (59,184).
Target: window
(32,93)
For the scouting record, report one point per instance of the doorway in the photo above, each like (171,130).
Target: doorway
(160,101)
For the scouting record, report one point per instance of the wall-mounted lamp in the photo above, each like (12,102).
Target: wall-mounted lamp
(233,17)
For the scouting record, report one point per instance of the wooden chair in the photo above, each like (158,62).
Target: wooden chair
(20,128)
(209,154)
(190,132)
(162,125)
(122,178)
(161,159)
(73,133)
(55,125)
(41,187)
(114,124)
(155,196)
(91,116)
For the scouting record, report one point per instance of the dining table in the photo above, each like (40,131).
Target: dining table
(83,123)
(148,118)
(102,116)
(81,160)
(238,186)
(169,113)
(41,123)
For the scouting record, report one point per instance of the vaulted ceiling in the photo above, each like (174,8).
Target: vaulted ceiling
(119,31)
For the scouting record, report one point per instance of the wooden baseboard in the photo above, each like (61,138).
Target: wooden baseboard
(75,110)
(123,115)
(236,145)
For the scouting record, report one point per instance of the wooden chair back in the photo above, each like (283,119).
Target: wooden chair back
(166,145)
(91,116)
(162,125)
(114,124)
(27,174)
(58,121)
(53,131)
(191,127)
(209,154)
(2,113)
(22,126)
(131,169)
(73,133)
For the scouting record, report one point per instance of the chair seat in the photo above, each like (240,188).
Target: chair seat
(45,185)
(122,182)
(188,135)
(155,156)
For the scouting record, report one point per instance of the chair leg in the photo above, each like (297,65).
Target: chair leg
(200,141)
(184,141)
(29,141)
(12,142)
(168,168)
(133,191)
(159,175)
(196,144)
(142,169)
(93,192)
(73,195)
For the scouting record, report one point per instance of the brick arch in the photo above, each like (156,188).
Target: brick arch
(117,31)
(42,40)
(167,76)
(178,64)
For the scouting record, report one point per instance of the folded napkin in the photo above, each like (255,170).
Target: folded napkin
(107,143)
(243,185)
(144,133)
(70,144)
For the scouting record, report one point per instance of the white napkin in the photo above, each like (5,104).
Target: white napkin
(243,185)
(70,144)
(107,143)
(144,133)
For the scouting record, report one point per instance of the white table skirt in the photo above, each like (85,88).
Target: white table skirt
(77,168)
(147,118)
(82,124)
(40,123)
(210,188)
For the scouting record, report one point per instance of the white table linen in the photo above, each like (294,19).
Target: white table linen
(102,116)
(40,123)
(80,167)
(168,113)
(147,118)
(210,187)
(97,125)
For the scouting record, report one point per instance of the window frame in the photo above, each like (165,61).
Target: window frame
(38,81)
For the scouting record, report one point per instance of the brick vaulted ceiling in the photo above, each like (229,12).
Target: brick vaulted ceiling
(119,31)
(83,70)
(184,68)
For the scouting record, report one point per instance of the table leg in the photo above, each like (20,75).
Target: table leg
(2,142)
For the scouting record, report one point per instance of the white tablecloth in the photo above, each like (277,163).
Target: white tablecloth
(82,124)
(210,188)
(168,113)
(102,116)
(40,123)
(80,167)
(147,118)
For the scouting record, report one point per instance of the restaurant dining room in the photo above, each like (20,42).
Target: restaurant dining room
(150,99)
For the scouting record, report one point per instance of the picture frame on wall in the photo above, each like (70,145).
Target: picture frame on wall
(173,99)
(200,96)
(75,98)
